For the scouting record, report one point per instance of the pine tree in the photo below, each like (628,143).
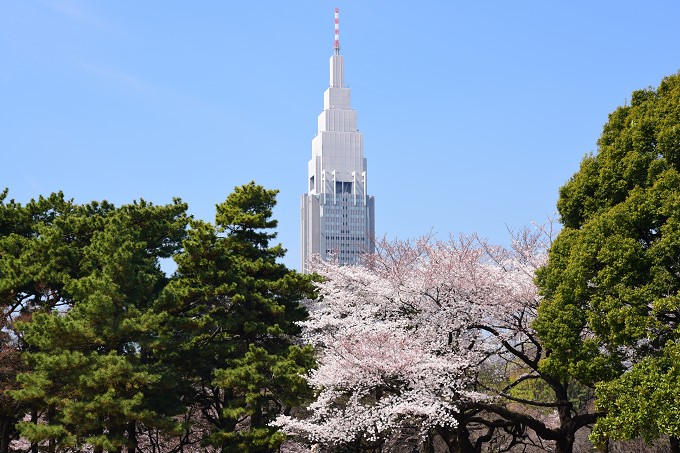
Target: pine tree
(92,373)
(27,284)
(234,309)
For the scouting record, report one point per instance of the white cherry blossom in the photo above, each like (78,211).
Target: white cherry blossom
(400,337)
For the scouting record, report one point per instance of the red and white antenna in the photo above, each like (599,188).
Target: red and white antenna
(336,46)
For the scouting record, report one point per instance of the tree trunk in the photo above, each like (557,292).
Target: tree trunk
(428,445)
(34,420)
(464,439)
(458,440)
(51,442)
(7,424)
(5,438)
(132,436)
(565,444)
(675,444)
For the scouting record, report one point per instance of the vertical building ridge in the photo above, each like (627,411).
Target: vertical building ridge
(337,213)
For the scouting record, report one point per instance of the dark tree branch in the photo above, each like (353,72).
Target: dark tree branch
(523,357)
(519,380)
(537,426)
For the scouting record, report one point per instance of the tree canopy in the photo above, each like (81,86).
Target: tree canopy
(611,286)
(434,338)
(117,355)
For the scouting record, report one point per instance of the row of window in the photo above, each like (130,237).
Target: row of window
(345,238)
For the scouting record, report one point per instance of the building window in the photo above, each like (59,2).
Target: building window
(343,187)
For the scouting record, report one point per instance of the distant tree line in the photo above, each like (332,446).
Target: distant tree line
(431,345)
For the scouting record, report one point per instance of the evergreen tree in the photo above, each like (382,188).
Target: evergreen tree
(92,374)
(112,347)
(234,309)
(28,283)
(612,284)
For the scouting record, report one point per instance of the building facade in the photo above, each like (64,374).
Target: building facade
(337,214)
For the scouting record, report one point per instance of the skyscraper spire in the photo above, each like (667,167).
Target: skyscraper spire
(336,46)
(337,218)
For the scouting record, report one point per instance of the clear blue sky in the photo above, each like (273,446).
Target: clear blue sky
(474,113)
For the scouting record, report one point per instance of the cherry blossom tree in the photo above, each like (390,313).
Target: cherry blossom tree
(530,404)
(436,336)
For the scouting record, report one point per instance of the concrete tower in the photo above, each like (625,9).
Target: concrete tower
(337,214)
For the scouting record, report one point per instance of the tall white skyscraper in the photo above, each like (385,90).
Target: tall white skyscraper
(337,214)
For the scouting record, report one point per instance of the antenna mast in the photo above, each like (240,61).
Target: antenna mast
(336,46)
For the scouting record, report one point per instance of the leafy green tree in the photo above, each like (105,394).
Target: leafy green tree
(233,310)
(611,287)
(90,345)
(644,402)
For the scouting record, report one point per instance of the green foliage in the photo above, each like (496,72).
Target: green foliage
(81,279)
(89,353)
(264,384)
(612,283)
(644,402)
(111,344)
(27,283)
(233,312)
